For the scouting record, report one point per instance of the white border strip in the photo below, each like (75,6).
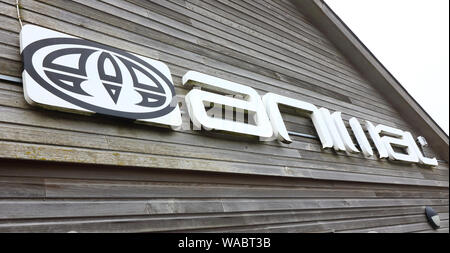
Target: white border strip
(10,78)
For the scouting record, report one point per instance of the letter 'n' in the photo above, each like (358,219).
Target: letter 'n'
(271,101)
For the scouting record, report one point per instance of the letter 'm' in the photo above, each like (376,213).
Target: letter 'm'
(338,144)
(343,132)
(361,137)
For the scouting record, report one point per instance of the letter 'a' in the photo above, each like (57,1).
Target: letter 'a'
(252,102)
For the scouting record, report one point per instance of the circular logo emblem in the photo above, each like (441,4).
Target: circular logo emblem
(100,78)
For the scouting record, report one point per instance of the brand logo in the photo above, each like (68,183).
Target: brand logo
(68,73)
(72,73)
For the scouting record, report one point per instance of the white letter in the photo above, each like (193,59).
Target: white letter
(271,101)
(422,158)
(398,140)
(361,137)
(252,103)
(343,132)
(337,141)
(375,135)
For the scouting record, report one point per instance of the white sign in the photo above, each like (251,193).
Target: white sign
(68,73)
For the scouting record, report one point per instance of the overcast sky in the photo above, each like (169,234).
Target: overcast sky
(411,39)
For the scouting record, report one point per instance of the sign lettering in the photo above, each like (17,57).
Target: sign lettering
(71,74)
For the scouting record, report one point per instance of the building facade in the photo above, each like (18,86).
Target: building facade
(63,171)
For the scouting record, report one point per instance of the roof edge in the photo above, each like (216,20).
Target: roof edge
(367,64)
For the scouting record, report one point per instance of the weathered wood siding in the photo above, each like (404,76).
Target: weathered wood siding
(66,172)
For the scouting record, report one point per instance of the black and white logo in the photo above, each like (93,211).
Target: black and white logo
(73,74)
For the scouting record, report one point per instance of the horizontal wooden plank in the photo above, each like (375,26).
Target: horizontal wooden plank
(10,67)
(52,170)
(14,150)
(441,230)
(17,209)
(321,226)
(11,187)
(180,222)
(13,87)
(407,228)
(8,20)
(9,52)
(9,38)
(86,189)
(59,188)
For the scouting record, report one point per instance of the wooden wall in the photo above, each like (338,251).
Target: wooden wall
(63,172)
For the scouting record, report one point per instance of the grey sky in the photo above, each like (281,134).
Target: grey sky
(411,39)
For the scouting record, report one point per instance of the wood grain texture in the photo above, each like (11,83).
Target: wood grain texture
(63,172)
